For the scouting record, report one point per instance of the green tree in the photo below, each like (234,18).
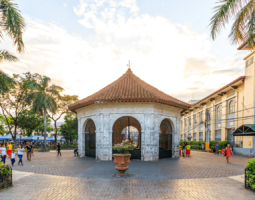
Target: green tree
(62,108)
(44,98)
(243,13)
(40,128)
(12,24)
(2,131)
(14,102)
(69,129)
(31,121)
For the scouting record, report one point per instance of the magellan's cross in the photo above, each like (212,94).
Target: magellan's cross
(129,65)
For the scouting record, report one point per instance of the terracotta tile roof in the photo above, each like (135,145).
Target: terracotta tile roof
(129,88)
(242,45)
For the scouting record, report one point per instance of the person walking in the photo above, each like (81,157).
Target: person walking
(20,154)
(9,149)
(183,149)
(217,146)
(29,148)
(228,152)
(3,153)
(187,149)
(13,154)
(58,149)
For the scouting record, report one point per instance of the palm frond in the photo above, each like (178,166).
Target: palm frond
(250,27)
(12,23)
(6,56)
(239,30)
(6,82)
(224,13)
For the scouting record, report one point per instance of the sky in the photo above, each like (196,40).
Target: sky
(84,45)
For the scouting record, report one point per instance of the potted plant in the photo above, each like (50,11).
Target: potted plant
(123,157)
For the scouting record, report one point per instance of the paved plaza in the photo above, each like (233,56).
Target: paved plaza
(201,176)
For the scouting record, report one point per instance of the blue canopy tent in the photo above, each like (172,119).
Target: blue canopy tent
(9,137)
(58,138)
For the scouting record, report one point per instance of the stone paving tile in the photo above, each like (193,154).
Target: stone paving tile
(59,187)
(137,170)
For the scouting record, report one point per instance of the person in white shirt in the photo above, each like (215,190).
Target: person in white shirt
(13,157)
(20,154)
(3,153)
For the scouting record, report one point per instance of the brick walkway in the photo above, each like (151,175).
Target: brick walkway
(201,176)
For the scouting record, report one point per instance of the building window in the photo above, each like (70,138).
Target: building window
(208,114)
(201,117)
(231,109)
(184,137)
(249,62)
(194,119)
(219,112)
(200,136)
(194,136)
(189,121)
(218,135)
(185,122)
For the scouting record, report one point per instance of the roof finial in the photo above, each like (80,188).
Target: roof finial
(129,65)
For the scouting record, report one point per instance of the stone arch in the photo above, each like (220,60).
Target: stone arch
(165,138)
(117,134)
(90,138)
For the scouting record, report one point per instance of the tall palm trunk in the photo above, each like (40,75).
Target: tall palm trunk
(56,132)
(45,124)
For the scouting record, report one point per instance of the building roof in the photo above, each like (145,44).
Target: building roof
(223,89)
(243,46)
(245,130)
(129,88)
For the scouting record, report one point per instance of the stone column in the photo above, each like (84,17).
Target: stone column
(81,139)
(175,138)
(156,137)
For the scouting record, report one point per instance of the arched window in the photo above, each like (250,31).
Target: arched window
(219,112)
(231,108)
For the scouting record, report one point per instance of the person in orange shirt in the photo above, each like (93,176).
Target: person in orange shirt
(9,150)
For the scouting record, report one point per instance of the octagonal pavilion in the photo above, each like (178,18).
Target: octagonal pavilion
(129,108)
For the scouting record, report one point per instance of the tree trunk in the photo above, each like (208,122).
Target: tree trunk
(56,132)
(45,123)
(14,138)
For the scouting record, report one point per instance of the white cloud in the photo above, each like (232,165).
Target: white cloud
(169,56)
(65,5)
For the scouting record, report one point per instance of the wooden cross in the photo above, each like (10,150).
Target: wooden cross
(129,65)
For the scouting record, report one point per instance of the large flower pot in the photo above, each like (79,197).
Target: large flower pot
(121,160)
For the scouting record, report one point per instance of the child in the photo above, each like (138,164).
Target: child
(20,154)
(75,152)
(13,157)
(3,153)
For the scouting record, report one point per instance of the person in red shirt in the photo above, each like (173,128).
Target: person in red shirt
(228,152)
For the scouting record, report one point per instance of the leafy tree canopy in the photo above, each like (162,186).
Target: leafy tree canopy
(69,129)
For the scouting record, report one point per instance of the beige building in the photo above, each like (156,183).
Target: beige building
(218,115)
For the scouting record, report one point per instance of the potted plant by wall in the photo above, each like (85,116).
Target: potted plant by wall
(123,157)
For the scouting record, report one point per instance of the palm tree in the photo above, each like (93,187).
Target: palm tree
(243,13)
(12,24)
(44,98)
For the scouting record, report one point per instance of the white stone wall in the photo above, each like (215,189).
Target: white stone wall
(150,115)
